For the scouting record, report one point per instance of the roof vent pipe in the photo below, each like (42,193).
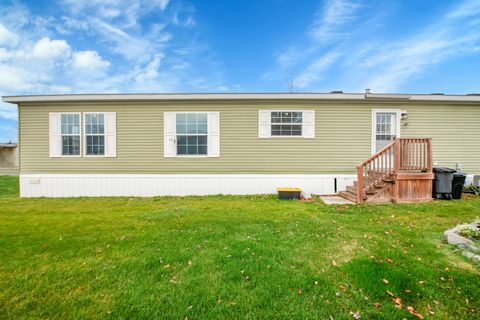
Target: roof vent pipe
(367,91)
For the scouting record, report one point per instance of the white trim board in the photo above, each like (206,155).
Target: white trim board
(147,185)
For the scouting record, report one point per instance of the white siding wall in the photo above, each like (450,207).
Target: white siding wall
(78,185)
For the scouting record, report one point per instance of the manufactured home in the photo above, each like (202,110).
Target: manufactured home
(365,145)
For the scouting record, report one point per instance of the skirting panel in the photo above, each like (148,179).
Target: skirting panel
(147,185)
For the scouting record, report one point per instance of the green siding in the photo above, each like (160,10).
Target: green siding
(343,138)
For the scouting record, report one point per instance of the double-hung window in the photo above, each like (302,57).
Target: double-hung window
(192,133)
(286,123)
(97,137)
(94,134)
(70,134)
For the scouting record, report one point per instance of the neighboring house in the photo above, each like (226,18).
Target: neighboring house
(198,144)
(8,159)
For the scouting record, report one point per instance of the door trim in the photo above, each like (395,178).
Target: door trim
(374,124)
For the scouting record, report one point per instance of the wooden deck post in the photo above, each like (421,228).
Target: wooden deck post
(360,184)
(396,169)
(429,155)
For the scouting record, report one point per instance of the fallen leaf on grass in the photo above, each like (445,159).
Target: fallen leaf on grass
(377,306)
(189,263)
(389,260)
(429,308)
(385,281)
(334,263)
(356,315)
(390,293)
(415,313)
(398,303)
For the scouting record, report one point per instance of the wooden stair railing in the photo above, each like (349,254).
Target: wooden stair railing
(402,154)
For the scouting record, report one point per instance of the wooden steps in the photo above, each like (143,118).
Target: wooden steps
(371,195)
(351,196)
(399,172)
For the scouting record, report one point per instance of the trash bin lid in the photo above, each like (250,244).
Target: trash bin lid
(459,174)
(443,170)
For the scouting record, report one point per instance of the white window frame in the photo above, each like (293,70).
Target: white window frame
(79,155)
(175,135)
(95,134)
(374,125)
(272,124)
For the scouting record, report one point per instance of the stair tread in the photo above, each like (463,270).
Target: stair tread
(350,195)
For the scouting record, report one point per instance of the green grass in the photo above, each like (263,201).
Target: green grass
(251,257)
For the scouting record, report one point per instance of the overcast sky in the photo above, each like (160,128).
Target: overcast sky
(236,46)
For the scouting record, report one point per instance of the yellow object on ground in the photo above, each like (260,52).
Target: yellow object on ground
(289,190)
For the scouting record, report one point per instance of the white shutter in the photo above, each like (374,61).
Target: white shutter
(110,134)
(264,124)
(214,134)
(169,134)
(309,124)
(54,127)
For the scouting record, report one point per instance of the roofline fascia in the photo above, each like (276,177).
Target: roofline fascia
(241,97)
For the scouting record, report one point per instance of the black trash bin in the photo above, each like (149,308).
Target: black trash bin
(457,185)
(442,185)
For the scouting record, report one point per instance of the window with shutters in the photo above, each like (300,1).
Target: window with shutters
(70,134)
(94,128)
(286,124)
(192,133)
(95,138)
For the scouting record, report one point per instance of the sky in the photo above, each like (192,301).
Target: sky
(94,46)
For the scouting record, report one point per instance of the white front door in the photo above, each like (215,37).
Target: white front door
(385,127)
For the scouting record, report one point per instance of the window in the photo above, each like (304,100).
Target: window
(70,134)
(67,139)
(94,134)
(192,133)
(286,123)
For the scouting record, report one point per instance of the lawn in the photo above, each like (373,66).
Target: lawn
(231,257)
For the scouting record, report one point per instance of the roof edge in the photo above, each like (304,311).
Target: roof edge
(236,96)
